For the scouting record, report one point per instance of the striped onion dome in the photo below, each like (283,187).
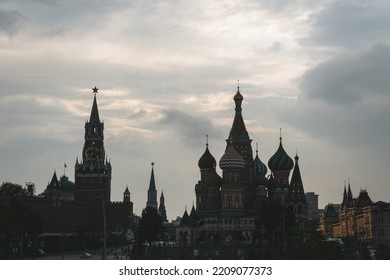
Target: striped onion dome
(231,159)
(280,160)
(260,167)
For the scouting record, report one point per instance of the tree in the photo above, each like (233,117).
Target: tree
(30,188)
(11,189)
(150,226)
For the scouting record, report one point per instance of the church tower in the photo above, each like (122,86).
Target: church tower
(93,173)
(239,138)
(281,165)
(296,199)
(152,192)
(161,208)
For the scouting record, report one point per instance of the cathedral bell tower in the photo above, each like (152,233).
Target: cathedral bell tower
(93,173)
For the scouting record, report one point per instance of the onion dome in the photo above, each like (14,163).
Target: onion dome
(260,167)
(207,161)
(238,97)
(214,180)
(231,159)
(280,160)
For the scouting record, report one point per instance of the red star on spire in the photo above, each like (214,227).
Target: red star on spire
(95,90)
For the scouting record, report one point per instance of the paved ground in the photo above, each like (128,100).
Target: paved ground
(112,254)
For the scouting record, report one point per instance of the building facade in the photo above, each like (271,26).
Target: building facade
(358,218)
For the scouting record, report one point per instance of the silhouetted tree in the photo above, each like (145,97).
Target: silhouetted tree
(30,188)
(150,226)
(11,189)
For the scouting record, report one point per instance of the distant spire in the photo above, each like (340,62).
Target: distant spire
(207,140)
(152,184)
(94,118)
(257,149)
(152,192)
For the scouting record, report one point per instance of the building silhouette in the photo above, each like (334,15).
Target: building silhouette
(69,209)
(226,205)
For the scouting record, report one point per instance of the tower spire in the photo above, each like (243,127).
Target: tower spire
(152,192)
(94,118)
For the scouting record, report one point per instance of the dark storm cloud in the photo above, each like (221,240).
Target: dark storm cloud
(347,100)
(349,78)
(351,24)
(10,22)
(190,130)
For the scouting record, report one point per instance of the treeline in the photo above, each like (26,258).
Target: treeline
(12,189)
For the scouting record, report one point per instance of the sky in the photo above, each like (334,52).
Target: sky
(167,73)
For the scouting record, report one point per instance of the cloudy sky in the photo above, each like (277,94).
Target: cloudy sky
(167,73)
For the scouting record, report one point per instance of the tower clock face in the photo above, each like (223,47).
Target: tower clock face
(91,153)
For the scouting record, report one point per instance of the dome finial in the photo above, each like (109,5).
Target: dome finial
(280,137)
(238,85)
(257,149)
(207,140)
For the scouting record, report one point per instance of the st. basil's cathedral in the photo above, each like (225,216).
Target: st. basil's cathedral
(226,205)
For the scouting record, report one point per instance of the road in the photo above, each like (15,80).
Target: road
(112,254)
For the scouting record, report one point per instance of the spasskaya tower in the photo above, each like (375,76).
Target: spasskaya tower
(93,173)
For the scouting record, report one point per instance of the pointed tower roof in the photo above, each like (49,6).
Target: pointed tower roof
(94,118)
(296,193)
(238,130)
(152,184)
(193,216)
(296,179)
(280,160)
(161,208)
(54,183)
(349,202)
(343,204)
(185,220)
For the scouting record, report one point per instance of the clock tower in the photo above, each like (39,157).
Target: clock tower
(93,173)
